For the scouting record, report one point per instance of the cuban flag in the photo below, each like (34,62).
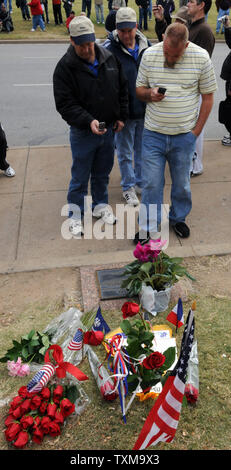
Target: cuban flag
(99,323)
(176,316)
(77,342)
(41,378)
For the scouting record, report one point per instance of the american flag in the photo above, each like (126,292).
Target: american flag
(77,342)
(162,421)
(41,378)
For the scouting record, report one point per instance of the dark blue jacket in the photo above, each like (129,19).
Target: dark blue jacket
(130,69)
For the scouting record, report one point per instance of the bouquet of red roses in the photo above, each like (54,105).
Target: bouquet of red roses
(32,416)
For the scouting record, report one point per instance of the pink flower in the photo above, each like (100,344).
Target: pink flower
(139,253)
(18,368)
(149,251)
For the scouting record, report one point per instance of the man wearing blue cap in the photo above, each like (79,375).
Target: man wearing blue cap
(91,95)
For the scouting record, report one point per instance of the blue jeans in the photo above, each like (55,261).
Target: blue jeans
(37,20)
(178,151)
(10,5)
(143,15)
(92,159)
(219,23)
(99,13)
(127,141)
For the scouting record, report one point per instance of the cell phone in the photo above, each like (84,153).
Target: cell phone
(102,126)
(162,90)
(223,19)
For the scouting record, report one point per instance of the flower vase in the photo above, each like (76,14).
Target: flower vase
(154,301)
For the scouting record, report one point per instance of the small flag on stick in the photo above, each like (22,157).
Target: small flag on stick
(99,323)
(77,342)
(162,421)
(176,316)
(41,378)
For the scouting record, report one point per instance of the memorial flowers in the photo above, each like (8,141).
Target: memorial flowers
(32,416)
(152,267)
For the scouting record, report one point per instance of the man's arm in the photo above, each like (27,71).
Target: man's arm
(148,95)
(205,109)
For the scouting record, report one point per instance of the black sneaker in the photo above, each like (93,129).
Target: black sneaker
(181,229)
(141,238)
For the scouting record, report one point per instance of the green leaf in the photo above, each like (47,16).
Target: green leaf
(42,350)
(170,355)
(125,326)
(25,353)
(146,267)
(45,341)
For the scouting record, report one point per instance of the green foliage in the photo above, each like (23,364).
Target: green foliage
(160,273)
(30,347)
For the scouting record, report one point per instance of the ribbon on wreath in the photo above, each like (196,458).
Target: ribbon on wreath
(60,367)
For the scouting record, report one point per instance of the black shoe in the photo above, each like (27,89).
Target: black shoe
(181,229)
(141,238)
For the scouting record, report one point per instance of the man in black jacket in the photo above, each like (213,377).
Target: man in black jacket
(91,95)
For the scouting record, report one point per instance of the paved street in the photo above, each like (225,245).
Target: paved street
(28,112)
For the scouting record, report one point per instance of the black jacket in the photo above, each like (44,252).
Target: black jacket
(80,96)
(130,68)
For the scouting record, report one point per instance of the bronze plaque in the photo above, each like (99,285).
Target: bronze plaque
(110,284)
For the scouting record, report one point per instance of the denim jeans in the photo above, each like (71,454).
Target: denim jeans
(219,23)
(92,159)
(10,5)
(37,20)
(143,15)
(127,141)
(99,13)
(158,149)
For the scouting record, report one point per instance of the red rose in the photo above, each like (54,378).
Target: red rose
(191,393)
(35,403)
(15,402)
(9,420)
(17,413)
(105,391)
(23,392)
(93,337)
(45,393)
(154,361)
(59,418)
(54,429)
(130,309)
(37,436)
(12,431)
(26,421)
(45,424)
(36,422)
(25,406)
(67,407)
(51,409)
(58,393)
(22,439)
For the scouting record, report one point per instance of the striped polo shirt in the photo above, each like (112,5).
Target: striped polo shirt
(192,75)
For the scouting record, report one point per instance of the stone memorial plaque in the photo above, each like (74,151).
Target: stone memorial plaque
(110,283)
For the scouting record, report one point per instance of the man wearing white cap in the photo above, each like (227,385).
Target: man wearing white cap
(127,43)
(91,95)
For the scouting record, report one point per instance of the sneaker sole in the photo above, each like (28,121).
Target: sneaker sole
(180,234)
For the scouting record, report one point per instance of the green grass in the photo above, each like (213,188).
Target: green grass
(22,28)
(203,427)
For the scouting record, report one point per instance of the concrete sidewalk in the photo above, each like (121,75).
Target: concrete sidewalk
(32,201)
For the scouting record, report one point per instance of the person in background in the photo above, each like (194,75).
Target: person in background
(6,23)
(169,8)
(99,11)
(67,5)
(91,95)
(223,7)
(37,15)
(69,19)
(86,6)
(57,12)
(160,22)
(44,4)
(22,4)
(226,75)
(143,14)
(4,165)
(128,44)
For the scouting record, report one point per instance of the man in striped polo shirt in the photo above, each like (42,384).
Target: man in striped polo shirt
(172,124)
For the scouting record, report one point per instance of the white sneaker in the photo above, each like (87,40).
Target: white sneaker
(76,227)
(9,171)
(131,197)
(105,213)
(33,29)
